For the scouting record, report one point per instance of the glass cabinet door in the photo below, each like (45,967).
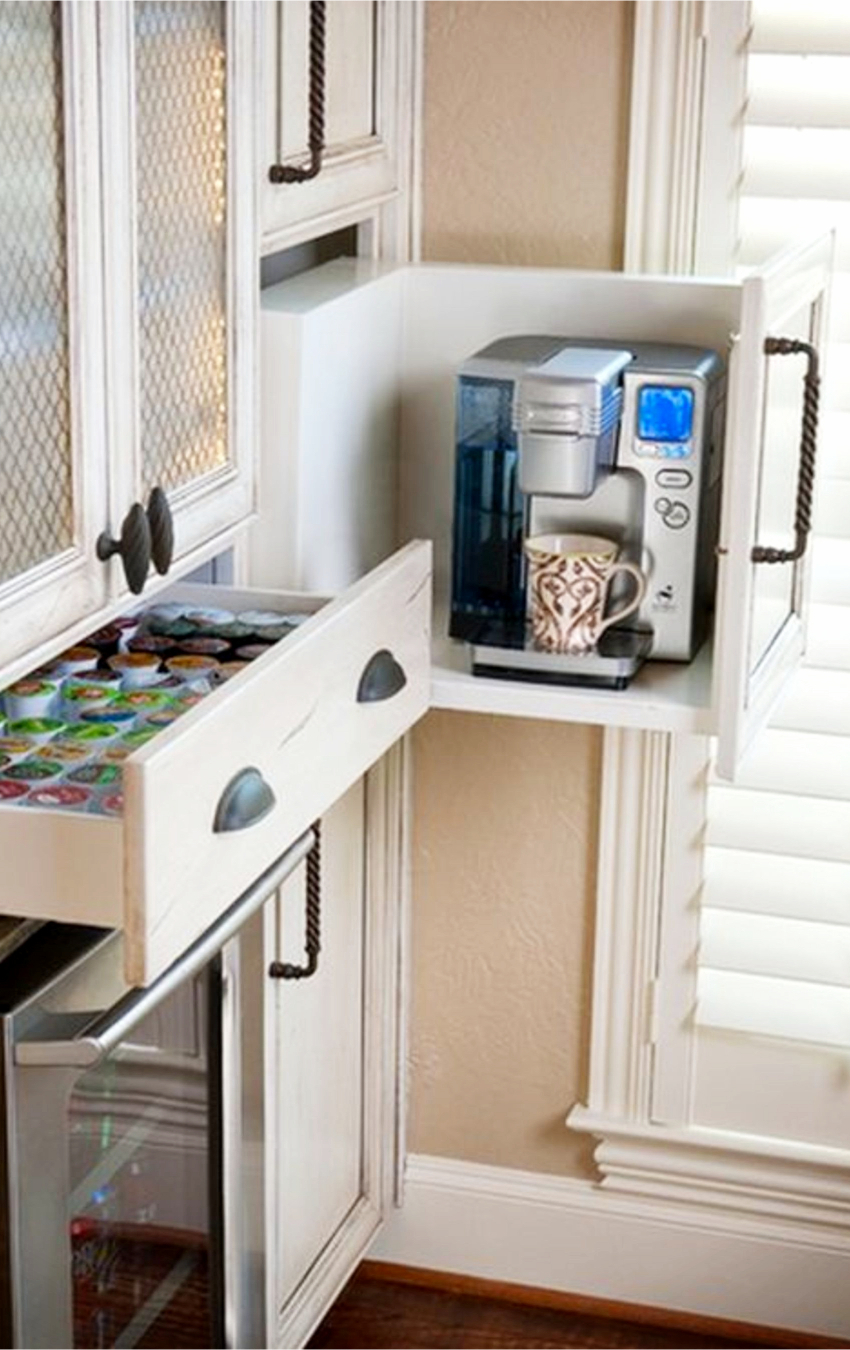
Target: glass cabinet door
(50,512)
(182,310)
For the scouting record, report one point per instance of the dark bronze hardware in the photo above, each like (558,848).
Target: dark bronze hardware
(246,800)
(808,449)
(284,970)
(287,173)
(162,530)
(134,547)
(382,678)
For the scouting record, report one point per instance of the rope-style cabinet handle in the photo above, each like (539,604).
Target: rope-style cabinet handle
(808,449)
(287,173)
(285,970)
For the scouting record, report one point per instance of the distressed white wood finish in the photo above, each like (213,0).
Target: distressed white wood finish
(319,1071)
(294,717)
(748,677)
(40,603)
(208,507)
(334,1057)
(371,56)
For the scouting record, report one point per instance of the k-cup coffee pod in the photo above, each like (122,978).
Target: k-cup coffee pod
(164,718)
(204,617)
(108,803)
(91,734)
(175,629)
(137,669)
(16,747)
(192,668)
(100,679)
(204,646)
(258,619)
(31,697)
(150,642)
(144,702)
(225,670)
(5,760)
(61,797)
(34,770)
(252,650)
(76,659)
(37,730)
(117,712)
(69,754)
(79,695)
(106,639)
(138,737)
(97,776)
(10,791)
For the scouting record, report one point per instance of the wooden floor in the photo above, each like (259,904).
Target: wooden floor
(375,1310)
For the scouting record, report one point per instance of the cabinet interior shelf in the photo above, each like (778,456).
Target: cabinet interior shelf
(663,696)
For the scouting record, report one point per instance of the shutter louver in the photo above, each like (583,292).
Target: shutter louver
(775,916)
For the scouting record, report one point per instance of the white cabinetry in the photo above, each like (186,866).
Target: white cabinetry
(128,361)
(331,1058)
(367,106)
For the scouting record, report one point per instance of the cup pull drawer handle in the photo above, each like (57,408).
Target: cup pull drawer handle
(246,800)
(382,678)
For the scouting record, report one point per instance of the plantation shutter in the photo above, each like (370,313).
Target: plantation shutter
(773,987)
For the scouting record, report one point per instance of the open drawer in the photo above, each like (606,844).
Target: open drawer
(213,799)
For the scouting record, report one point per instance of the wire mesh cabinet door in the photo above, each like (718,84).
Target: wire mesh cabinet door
(179,94)
(52,432)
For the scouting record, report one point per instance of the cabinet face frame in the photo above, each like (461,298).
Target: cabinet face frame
(213,504)
(43,601)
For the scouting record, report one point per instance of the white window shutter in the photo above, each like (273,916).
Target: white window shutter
(774,955)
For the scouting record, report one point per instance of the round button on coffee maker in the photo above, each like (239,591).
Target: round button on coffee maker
(677,517)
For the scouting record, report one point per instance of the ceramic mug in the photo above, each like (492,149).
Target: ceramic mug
(569,577)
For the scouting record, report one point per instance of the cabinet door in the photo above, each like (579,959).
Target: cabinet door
(330,1043)
(50,362)
(367,54)
(760,625)
(180,251)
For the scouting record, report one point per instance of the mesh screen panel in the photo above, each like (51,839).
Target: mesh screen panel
(181,182)
(36,510)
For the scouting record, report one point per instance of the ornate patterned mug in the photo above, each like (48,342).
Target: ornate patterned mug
(569,576)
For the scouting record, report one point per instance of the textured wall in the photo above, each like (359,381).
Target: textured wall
(526,120)
(524,161)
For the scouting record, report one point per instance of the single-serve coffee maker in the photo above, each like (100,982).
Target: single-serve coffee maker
(613,443)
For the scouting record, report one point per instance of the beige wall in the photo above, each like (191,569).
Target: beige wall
(524,162)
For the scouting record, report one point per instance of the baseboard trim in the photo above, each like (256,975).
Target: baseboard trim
(565,1236)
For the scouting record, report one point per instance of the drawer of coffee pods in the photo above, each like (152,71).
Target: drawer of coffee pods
(67,728)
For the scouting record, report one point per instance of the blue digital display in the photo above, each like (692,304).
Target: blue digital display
(665,412)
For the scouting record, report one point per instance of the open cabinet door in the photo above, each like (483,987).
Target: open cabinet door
(762,557)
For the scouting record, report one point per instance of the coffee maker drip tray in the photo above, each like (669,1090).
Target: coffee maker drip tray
(615,660)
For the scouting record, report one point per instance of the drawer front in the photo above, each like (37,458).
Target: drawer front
(305,722)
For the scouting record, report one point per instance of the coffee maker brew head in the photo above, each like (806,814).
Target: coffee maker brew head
(566,416)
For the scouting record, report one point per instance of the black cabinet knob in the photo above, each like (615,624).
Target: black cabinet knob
(162,530)
(134,547)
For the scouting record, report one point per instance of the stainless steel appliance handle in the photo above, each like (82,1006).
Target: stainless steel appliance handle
(84,1051)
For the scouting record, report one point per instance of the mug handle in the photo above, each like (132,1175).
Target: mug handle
(636,599)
